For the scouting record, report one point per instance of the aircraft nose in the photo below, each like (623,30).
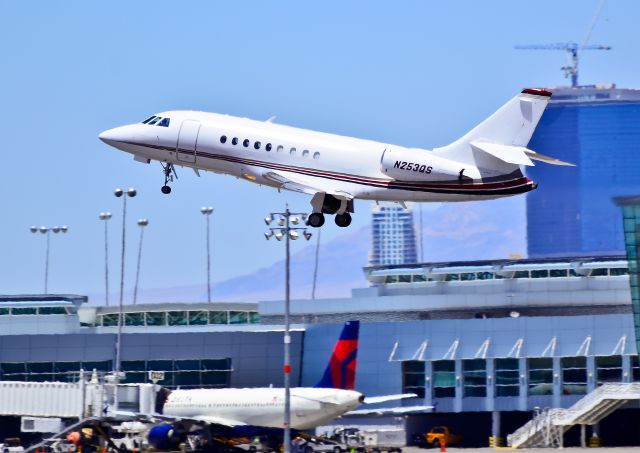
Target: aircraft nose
(115,135)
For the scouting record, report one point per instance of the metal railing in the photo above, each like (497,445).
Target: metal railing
(549,423)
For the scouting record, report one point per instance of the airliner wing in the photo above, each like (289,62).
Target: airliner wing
(392,410)
(209,419)
(217,421)
(300,185)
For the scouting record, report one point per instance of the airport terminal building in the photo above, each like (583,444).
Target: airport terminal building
(485,343)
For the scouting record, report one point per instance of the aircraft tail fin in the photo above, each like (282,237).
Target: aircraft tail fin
(511,126)
(341,370)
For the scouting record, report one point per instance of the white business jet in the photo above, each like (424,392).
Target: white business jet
(334,169)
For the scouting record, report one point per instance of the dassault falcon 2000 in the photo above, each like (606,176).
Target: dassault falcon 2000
(335,170)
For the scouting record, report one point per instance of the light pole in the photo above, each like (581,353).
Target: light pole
(106,216)
(285,230)
(121,193)
(46,231)
(141,223)
(207,211)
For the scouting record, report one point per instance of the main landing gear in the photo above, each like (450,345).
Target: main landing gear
(315,220)
(323,203)
(169,174)
(343,220)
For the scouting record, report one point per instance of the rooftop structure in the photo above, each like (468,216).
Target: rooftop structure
(572,212)
(474,289)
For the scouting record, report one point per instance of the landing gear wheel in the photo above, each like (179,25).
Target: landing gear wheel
(343,220)
(169,173)
(315,220)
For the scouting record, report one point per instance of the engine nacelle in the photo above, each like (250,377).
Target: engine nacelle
(164,437)
(421,165)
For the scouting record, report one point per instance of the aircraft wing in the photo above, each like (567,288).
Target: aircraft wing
(302,186)
(384,398)
(391,410)
(208,419)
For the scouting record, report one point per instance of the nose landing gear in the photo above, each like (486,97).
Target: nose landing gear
(169,174)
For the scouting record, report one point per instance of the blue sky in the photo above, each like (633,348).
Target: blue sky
(415,73)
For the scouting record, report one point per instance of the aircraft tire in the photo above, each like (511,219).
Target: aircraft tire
(165,190)
(315,220)
(343,220)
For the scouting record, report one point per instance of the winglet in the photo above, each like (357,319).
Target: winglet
(341,370)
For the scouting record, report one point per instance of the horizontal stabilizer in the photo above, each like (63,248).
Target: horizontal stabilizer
(507,153)
(384,398)
(392,411)
(547,159)
(517,155)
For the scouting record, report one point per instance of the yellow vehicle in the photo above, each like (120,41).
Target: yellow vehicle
(441,435)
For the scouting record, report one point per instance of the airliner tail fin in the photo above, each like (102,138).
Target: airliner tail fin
(341,370)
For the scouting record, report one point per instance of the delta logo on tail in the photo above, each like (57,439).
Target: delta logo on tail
(341,370)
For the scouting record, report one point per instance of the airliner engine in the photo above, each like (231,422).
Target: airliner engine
(420,165)
(165,436)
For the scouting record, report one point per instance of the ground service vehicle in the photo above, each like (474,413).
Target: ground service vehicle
(439,435)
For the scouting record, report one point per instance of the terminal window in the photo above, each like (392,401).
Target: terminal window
(413,377)
(50,371)
(540,376)
(474,377)
(191,373)
(574,375)
(507,377)
(635,368)
(609,369)
(444,378)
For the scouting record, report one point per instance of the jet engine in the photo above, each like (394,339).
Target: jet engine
(420,165)
(165,437)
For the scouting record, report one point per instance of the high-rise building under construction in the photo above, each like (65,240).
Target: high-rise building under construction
(572,212)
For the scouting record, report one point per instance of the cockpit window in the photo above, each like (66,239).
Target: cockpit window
(164,122)
(148,119)
(154,121)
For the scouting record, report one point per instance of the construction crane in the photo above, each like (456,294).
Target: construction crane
(573,49)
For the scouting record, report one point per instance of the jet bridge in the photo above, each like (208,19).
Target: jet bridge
(76,400)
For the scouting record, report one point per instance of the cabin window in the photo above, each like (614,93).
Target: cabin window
(256,145)
(292,151)
(234,141)
(223,139)
(268,147)
(305,153)
(280,148)
(316,155)
(164,122)
(245,143)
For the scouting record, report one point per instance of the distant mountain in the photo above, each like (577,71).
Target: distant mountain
(451,231)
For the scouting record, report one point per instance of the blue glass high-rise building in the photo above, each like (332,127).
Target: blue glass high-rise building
(393,236)
(572,212)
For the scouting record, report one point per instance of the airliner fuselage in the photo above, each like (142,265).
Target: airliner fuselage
(310,407)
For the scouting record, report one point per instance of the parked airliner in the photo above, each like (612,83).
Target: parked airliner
(241,412)
(335,170)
